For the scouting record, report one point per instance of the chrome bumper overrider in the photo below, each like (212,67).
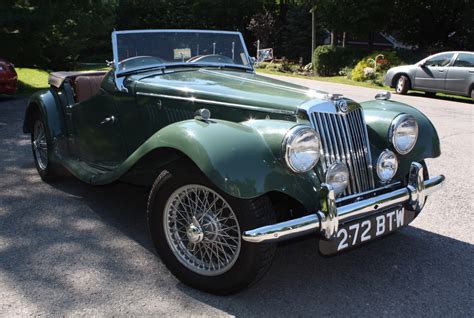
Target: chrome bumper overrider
(327,220)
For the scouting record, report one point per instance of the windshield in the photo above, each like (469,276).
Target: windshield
(136,50)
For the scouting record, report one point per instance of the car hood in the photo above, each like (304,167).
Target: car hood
(228,86)
(402,68)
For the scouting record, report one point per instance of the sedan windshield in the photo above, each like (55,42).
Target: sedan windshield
(139,50)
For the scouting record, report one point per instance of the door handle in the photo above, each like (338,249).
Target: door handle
(441,71)
(107,120)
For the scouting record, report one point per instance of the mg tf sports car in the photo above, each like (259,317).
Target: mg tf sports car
(234,161)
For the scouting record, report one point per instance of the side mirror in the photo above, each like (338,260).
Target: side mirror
(253,60)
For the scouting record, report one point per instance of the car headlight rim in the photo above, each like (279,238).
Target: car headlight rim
(381,170)
(396,124)
(292,140)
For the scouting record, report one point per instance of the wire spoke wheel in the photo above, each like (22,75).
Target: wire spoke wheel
(40,146)
(202,230)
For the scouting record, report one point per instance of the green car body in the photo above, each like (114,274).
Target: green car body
(235,161)
(239,149)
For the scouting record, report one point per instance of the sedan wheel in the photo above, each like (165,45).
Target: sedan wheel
(403,84)
(196,229)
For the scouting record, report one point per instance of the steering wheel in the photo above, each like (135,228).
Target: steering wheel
(137,61)
(212,58)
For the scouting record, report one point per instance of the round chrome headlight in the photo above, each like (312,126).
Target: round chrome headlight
(387,165)
(403,133)
(301,147)
(337,176)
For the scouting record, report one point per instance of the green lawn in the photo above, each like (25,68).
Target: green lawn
(331,79)
(31,80)
(344,80)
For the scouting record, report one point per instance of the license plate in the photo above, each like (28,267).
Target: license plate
(362,231)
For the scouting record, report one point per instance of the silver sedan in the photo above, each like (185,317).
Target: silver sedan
(447,72)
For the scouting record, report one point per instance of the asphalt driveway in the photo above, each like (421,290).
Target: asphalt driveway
(68,248)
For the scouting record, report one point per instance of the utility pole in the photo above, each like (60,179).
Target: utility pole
(313,35)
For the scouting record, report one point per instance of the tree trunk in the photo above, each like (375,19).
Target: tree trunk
(332,38)
(343,39)
(370,41)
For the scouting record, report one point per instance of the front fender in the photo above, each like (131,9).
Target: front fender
(379,115)
(242,159)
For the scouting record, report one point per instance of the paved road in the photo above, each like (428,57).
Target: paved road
(68,248)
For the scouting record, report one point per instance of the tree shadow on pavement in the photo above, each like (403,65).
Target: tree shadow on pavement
(413,272)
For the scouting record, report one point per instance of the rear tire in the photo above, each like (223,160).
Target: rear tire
(41,147)
(201,244)
(402,85)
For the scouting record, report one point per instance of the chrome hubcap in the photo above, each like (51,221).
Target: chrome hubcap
(202,230)
(40,146)
(400,85)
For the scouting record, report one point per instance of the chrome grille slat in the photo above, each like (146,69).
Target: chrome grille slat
(344,138)
(358,147)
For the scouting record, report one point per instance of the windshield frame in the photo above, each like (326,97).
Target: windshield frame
(249,66)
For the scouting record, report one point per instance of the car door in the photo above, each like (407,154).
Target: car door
(461,74)
(430,75)
(96,130)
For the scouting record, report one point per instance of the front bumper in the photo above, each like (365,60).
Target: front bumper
(326,221)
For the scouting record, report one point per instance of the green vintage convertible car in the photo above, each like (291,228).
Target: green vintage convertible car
(235,161)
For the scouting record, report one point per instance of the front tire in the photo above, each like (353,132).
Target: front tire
(41,148)
(196,230)
(403,84)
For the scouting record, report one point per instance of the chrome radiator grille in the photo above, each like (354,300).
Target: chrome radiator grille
(344,138)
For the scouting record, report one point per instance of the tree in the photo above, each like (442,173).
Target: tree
(435,24)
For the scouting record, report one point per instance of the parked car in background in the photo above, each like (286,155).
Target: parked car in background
(446,72)
(234,161)
(8,77)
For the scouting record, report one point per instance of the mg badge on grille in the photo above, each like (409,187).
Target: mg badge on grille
(341,105)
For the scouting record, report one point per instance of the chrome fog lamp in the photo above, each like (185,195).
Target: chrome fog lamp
(337,176)
(301,147)
(403,133)
(387,165)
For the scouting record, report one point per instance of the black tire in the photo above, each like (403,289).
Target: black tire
(44,166)
(253,260)
(472,93)
(402,85)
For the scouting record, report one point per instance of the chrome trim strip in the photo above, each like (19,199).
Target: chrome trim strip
(213,102)
(327,222)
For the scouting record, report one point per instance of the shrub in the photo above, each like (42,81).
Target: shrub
(366,70)
(330,60)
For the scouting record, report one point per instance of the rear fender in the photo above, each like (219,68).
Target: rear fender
(48,105)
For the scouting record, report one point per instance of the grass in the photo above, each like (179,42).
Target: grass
(31,80)
(344,80)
